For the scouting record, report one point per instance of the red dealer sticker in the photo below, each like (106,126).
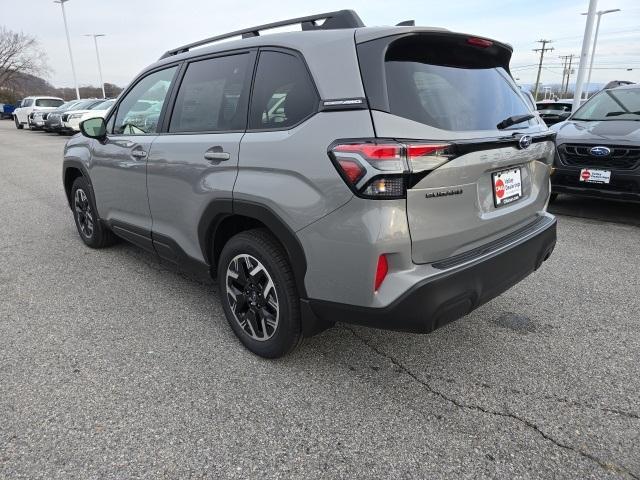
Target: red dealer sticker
(499,188)
(585,175)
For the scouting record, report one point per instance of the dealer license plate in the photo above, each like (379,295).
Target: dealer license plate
(507,186)
(590,175)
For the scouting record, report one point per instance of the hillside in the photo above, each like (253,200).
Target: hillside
(25,85)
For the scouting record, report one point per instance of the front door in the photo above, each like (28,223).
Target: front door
(119,163)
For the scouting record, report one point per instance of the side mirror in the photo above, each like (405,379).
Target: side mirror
(94,128)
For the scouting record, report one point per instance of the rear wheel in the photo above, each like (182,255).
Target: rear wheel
(91,231)
(19,126)
(258,294)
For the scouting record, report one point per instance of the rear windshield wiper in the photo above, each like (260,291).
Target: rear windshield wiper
(514,119)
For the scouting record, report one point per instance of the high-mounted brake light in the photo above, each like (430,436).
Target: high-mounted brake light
(381,271)
(479,42)
(383,170)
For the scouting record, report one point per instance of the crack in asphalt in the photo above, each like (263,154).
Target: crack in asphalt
(605,465)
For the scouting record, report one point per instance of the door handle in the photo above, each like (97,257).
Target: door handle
(138,153)
(215,154)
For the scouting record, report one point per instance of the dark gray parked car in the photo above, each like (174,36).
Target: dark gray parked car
(599,147)
(393,177)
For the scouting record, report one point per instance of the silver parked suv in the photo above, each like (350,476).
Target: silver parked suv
(392,177)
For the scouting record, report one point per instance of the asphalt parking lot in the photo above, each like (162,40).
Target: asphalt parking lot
(112,365)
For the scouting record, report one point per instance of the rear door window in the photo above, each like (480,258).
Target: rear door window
(213,95)
(48,102)
(283,93)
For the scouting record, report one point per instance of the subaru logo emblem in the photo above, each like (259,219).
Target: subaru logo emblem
(600,151)
(525,141)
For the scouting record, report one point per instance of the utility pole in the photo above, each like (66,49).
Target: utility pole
(564,59)
(584,54)
(66,30)
(566,88)
(95,42)
(541,50)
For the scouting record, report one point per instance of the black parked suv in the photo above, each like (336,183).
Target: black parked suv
(598,148)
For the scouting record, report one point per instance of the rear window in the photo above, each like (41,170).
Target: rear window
(446,82)
(48,102)
(560,107)
(283,93)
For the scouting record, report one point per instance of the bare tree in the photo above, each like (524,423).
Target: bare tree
(19,54)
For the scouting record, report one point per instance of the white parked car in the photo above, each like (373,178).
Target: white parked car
(99,110)
(71,118)
(30,104)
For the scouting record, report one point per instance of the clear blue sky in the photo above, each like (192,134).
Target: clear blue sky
(138,31)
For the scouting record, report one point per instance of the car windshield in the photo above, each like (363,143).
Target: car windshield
(95,105)
(48,102)
(83,105)
(68,105)
(103,105)
(617,104)
(561,107)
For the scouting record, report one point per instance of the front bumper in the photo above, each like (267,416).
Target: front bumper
(443,298)
(71,126)
(624,184)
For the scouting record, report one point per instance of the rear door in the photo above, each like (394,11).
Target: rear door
(451,91)
(194,161)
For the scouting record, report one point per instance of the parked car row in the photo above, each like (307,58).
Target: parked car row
(52,114)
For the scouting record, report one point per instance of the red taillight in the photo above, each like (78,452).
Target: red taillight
(373,151)
(352,170)
(381,271)
(479,42)
(382,170)
(422,150)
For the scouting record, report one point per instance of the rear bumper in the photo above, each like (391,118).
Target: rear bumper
(441,299)
(624,185)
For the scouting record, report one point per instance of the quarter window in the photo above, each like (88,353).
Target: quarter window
(213,96)
(283,93)
(139,111)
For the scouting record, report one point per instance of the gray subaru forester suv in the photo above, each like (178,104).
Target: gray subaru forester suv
(392,177)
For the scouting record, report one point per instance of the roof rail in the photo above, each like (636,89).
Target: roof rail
(332,20)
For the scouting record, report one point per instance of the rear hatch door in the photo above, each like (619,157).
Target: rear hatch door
(442,88)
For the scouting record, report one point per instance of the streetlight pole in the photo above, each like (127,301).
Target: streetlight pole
(595,41)
(584,54)
(95,42)
(66,30)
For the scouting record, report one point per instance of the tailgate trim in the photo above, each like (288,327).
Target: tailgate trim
(528,230)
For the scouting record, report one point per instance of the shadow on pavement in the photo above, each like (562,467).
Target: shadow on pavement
(597,209)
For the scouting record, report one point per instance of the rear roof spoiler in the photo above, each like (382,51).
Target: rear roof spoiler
(332,21)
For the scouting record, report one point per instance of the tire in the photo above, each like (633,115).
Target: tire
(92,232)
(19,126)
(553,197)
(252,315)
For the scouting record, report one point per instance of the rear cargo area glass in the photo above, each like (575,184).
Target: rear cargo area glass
(452,90)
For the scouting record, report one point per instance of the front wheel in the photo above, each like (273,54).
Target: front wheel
(258,294)
(19,126)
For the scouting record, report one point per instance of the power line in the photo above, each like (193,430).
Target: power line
(541,50)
